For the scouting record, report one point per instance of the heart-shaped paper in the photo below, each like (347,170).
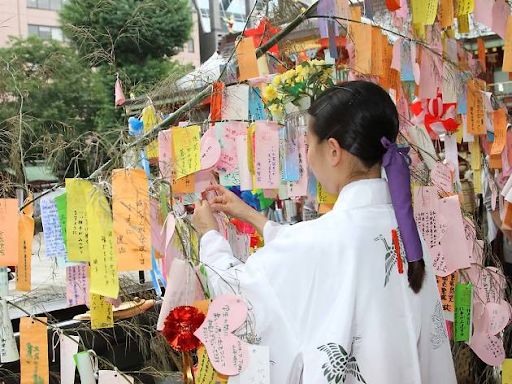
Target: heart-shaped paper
(499,316)
(487,322)
(228,353)
(489,283)
(488,348)
(210,152)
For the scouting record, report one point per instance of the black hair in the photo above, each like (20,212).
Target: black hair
(357,114)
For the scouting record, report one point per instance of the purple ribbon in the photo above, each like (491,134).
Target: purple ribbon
(396,161)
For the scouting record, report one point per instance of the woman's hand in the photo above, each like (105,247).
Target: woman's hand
(229,203)
(203,218)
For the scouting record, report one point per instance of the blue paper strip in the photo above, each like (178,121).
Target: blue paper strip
(256,107)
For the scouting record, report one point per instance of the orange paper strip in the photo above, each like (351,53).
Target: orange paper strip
(377,52)
(246,56)
(446,286)
(130,208)
(24,270)
(481,52)
(475,116)
(507,56)
(8,232)
(34,351)
(447,13)
(495,162)
(362,36)
(500,132)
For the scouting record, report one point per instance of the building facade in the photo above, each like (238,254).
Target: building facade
(22,18)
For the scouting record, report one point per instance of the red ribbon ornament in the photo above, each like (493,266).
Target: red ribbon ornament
(180,326)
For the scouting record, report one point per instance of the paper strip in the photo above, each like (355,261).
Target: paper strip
(258,370)
(8,232)
(104,280)
(246,57)
(77,285)
(34,351)
(4,282)
(180,289)
(300,188)
(8,347)
(68,348)
(130,208)
(243,167)
(187,150)
(463,311)
(267,155)
(113,377)
(102,315)
(84,365)
(78,193)
(24,270)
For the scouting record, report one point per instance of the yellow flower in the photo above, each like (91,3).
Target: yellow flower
(289,75)
(270,92)
(299,79)
(277,80)
(275,109)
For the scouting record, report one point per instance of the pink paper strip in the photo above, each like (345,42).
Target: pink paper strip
(266,164)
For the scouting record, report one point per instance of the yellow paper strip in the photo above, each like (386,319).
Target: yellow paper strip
(465,7)
(476,157)
(102,315)
(186,148)
(463,23)
(24,270)
(477,181)
(104,280)
(130,208)
(323,197)
(34,351)
(507,372)
(78,193)
(149,120)
(424,11)
(205,372)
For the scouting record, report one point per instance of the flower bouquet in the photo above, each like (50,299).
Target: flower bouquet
(298,86)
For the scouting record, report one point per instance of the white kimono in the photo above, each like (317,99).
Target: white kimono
(326,296)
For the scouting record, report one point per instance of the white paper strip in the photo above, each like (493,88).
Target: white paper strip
(68,348)
(8,348)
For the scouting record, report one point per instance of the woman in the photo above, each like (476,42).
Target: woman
(330,296)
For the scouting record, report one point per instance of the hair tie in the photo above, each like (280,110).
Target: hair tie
(396,161)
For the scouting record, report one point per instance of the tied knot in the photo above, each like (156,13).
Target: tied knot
(394,154)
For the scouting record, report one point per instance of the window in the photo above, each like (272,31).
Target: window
(190,45)
(54,5)
(45,32)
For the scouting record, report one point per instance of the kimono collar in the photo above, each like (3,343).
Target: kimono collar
(363,193)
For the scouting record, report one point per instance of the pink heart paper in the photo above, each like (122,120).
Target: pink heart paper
(488,348)
(489,283)
(489,321)
(498,316)
(227,352)
(210,152)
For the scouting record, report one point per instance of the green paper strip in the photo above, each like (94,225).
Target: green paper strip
(61,202)
(463,311)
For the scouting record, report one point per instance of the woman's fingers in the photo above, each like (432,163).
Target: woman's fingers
(218,200)
(216,188)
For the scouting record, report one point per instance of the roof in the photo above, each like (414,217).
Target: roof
(36,172)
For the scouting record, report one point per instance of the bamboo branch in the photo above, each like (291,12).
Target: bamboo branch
(173,117)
